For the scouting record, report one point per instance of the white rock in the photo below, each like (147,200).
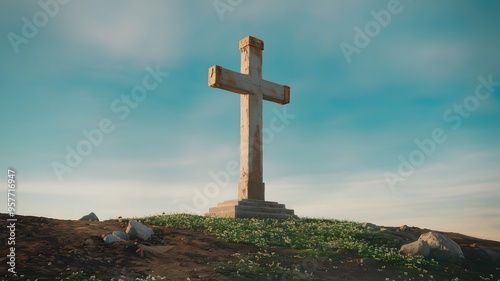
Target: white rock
(138,230)
(442,247)
(110,239)
(418,247)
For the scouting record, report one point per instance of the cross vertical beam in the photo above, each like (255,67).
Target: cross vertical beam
(251,185)
(253,89)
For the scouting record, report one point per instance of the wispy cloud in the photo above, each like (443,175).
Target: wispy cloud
(128,29)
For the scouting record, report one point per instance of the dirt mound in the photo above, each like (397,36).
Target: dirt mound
(50,248)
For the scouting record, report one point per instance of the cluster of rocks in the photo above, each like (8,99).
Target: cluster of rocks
(433,245)
(135,230)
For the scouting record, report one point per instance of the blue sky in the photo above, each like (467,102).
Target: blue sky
(352,121)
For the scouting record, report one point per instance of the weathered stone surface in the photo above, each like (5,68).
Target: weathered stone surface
(121,234)
(137,230)
(110,239)
(418,247)
(89,217)
(248,208)
(442,247)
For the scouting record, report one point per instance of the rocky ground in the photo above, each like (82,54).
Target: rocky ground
(47,249)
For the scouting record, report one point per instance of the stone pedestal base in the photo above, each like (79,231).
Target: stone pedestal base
(250,208)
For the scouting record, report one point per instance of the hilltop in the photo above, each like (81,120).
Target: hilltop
(201,248)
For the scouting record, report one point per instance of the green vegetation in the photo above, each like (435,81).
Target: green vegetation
(313,238)
(307,240)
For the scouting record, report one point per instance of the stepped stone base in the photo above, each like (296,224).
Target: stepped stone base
(250,208)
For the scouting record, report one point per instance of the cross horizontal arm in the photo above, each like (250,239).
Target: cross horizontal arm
(275,92)
(219,77)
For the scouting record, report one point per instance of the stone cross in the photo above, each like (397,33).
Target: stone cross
(253,89)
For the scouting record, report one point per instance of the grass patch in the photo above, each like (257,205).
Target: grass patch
(313,237)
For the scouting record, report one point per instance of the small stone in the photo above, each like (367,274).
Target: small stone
(137,230)
(121,234)
(89,217)
(403,228)
(110,239)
